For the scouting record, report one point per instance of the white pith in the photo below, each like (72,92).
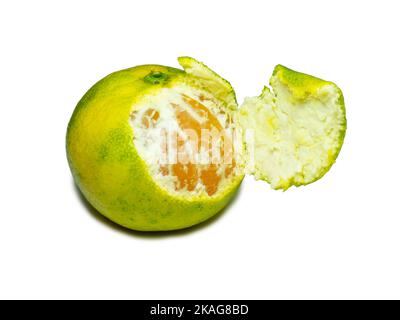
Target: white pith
(148,141)
(295,141)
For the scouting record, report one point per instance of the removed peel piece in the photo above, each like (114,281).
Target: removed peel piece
(298,127)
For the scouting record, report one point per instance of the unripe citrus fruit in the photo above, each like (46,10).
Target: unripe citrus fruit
(125,160)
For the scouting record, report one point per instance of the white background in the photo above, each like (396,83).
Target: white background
(337,238)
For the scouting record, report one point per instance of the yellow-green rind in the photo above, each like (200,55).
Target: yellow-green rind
(300,84)
(108,169)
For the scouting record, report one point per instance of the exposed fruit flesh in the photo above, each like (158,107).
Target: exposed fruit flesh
(150,118)
(192,116)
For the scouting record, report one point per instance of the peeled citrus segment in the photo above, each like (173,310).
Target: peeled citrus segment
(182,134)
(298,129)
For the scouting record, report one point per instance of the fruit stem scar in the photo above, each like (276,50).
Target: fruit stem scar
(156,77)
